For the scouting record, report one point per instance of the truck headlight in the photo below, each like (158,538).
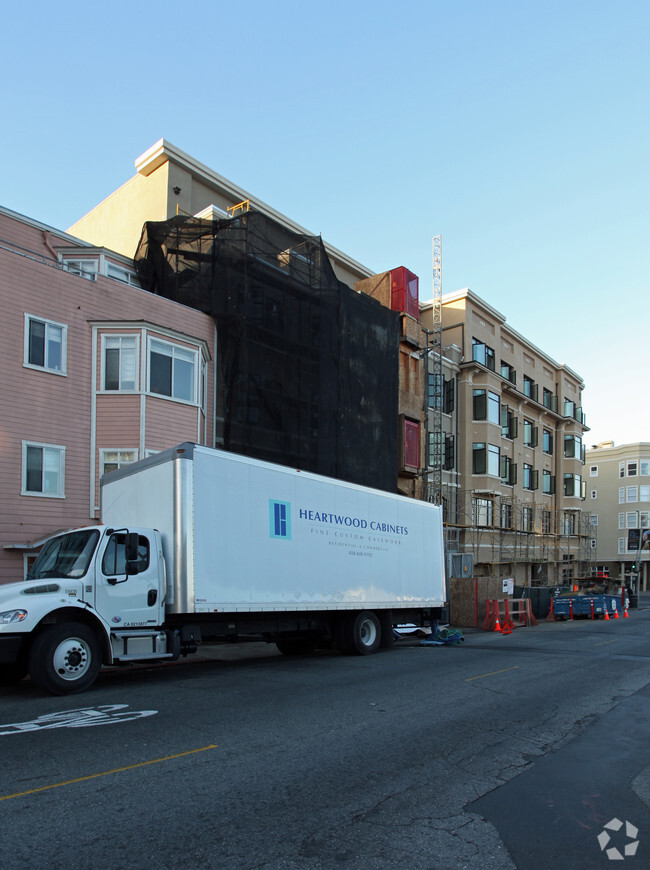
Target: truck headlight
(11,616)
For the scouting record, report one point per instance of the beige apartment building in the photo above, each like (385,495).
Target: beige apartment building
(518,508)
(618,498)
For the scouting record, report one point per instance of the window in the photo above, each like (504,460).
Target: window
(506,515)
(621,495)
(43,470)
(592,542)
(622,545)
(122,274)
(45,344)
(621,521)
(530,434)
(568,523)
(478,458)
(508,471)
(494,408)
(594,493)
(549,400)
(573,485)
(643,519)
(573,446)
(644,493)
(494,455)
(530,388)
(631,469)
(593,520)
(548,482)
(569,408)
(547,525)
(547,442)
(530,477)
(621,469)
(631,520)
(85,268)
(645,467)
(483,354)
(479,405)
(593,471)
(508,372)
(114,561)
(172,371)
(527,519)
(509,423)
(111,460)
(436,390)
(631,493)
(411,458)
(483,511)
(450,454)
(120,354)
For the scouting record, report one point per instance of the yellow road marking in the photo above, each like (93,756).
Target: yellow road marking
(602,643)
(7,797)
(491,674)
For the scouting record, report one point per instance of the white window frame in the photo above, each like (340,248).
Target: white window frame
(644,492)
(632,493)
(621,495)
(172,346)
(593,520)
(622,546)
(30,318)
(121,273)
(120,336)
(120,461)
(632,520)
(632,468)
(594,493)
(644,467)
(53,448)
(593,543)
(621,521)
(593,471)
(85,268)
(621,469)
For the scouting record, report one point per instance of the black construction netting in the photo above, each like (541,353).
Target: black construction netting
(307,368)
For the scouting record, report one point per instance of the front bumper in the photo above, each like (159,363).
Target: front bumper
(9,648)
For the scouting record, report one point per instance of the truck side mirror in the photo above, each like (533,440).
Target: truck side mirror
(131,552)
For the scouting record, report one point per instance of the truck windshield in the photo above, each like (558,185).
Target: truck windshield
(65,556)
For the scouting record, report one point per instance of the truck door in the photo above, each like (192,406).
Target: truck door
(128,600)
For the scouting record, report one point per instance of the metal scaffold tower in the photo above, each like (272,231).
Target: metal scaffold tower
(436,383)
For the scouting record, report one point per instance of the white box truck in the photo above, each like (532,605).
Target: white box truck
(200,545)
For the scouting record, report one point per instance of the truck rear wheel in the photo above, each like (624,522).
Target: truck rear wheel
(65,659)
(360,634)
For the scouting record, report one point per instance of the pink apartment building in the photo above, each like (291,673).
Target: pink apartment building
(94,373)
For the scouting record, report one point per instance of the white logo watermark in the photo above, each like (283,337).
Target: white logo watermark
(605,838)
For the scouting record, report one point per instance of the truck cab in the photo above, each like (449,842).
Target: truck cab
(94,596)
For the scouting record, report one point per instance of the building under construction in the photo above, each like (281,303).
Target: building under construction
(307,368)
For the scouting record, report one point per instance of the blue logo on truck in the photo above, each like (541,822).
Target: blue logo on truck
(280,519)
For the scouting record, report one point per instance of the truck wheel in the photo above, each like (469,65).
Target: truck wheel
(360,634)
(65,659)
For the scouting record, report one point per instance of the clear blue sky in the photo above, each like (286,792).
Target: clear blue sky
(519,131)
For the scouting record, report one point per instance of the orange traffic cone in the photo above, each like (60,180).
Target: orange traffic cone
(625,613)
(497,625)
(615,612)
(606,611)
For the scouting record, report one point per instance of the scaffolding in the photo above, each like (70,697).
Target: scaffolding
(503,534)
(307,369)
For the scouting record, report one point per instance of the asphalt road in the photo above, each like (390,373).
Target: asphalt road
(508,751)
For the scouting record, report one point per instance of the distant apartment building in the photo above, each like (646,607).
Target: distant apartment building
(518,505)
(618,498)
(94,374)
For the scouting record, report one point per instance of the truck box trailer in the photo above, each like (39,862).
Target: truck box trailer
(200,545)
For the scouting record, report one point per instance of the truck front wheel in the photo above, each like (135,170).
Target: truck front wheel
(360,634)
(65,659)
